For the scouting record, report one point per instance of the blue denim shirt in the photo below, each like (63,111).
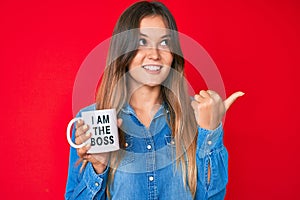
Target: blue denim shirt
(148,169)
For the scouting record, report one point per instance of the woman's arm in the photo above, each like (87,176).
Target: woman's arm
(211,155)
(85,184)
(212,164)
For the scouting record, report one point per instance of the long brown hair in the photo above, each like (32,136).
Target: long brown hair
(112,92)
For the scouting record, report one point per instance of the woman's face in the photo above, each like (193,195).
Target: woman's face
(152,62)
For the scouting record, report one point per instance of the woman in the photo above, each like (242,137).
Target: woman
(171,147)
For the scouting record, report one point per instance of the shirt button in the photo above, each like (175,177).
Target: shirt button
(149,146)
(96,184)
(209,142)
(151,178)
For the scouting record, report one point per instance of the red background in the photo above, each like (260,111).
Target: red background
(254,44)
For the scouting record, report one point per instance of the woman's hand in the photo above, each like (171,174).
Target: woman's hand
(98,160)
(209,108)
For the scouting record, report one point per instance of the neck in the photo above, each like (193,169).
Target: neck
(146,101)
(145,97)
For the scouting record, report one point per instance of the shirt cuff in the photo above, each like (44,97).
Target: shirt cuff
(95,182)
(209,140)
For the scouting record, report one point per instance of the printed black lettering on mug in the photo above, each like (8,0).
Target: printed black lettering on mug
(102,140)
(101,130)
(111,139)
(101,119)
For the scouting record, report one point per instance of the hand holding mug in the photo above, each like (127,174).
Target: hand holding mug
(98,160)
(96,135)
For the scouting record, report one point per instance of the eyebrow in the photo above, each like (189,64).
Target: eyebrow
(164,36)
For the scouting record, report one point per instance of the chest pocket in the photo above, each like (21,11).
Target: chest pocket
(128,153)
(171,147)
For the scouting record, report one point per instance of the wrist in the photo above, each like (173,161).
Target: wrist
(210,127)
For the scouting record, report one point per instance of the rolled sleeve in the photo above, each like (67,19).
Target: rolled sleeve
(90,185)
(211,152)
(96,183)
(209,140)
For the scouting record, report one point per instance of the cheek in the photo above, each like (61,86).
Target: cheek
(170,60)
(137,60)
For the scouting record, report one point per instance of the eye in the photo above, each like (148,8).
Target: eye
(142,42)
(164,43)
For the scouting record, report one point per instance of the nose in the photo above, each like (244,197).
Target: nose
(153,53)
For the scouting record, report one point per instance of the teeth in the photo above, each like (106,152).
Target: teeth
(152,68)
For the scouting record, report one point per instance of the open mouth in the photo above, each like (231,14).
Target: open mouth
(152,68)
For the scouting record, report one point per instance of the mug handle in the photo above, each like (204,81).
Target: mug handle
(69,131)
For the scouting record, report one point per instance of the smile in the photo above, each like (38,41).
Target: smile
(152,67)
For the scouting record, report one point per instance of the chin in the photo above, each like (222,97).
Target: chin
(152,83)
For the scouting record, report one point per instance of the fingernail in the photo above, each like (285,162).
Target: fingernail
(241,93)
(85,126)
(88,134)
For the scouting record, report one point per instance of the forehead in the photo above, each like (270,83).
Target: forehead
(153,26)
(152,21)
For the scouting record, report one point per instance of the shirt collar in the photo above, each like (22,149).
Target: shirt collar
(127,109)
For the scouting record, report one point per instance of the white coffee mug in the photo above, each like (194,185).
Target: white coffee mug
(103,128)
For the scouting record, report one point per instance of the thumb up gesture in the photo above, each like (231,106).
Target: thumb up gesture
(209,108)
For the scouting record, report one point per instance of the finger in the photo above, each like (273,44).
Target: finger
(82,138)
(214,95)
(198,98)
(119,122)
(229,101)
(211,92)
(81,130)
(79,123)
(204,94)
